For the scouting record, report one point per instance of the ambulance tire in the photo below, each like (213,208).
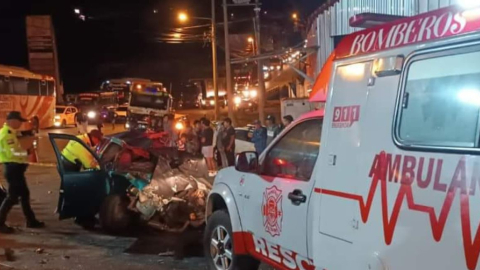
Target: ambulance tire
(221,218)
(115,217)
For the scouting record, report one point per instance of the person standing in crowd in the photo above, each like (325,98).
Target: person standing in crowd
(207,146)
(100,121)
(14,159)
(197,127)
(81,121)
(168,126)
(286,121)
(272,129)
(113,117)
(259,137)
(221,156)
(229,141)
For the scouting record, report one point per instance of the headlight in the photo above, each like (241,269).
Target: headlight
(57,117)
(237,100)
(57,124)
(92,115)
(179,126)
(212,102)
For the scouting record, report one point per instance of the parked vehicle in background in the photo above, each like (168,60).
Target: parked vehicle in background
(31,94)
(121,112)
(296,107)
(93,103)
(243,141)
(151,100)
(65,115)
(209,102)
(123,87)
(386,177)
(243,137)
(243,104)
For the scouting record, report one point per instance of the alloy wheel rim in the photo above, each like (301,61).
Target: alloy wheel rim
(221,248)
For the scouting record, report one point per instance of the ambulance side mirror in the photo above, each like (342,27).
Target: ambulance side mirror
(247,162)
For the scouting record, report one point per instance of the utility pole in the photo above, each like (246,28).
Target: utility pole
(228,65)
(214,59)
(261,79)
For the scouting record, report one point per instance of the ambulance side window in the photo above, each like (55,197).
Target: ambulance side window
(441,102)
(295,154)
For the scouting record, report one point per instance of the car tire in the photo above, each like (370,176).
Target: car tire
(220,222)
(64,124)
(115,217)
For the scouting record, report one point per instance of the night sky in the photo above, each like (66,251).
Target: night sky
(120,38)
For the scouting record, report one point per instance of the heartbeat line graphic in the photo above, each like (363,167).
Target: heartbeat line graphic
(471,246)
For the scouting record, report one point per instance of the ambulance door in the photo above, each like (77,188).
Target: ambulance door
(333,214)
(276,208)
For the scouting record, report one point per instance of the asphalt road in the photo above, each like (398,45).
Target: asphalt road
(63,245)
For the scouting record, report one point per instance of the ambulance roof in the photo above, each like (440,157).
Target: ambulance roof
(426,27)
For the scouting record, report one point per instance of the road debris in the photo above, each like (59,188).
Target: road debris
(39,250)
(6,265)
(167,253)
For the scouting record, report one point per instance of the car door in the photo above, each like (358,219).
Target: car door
(81,193)
(276,200)
(71,116)
(66,115)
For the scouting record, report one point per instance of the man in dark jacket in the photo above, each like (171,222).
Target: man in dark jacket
(272,129)
(259,137)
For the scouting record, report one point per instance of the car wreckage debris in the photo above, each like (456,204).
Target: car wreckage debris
(167,191)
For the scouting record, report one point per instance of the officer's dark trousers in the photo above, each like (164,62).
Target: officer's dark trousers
(17,189)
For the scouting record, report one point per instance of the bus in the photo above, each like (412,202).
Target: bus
(123,87)
(31,94)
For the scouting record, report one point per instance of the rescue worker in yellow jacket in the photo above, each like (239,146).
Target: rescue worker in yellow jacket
(75,156)
(14,159)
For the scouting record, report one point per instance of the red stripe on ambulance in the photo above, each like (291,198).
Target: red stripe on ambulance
(386,168)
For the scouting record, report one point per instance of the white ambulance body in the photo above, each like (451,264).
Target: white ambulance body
(396,181)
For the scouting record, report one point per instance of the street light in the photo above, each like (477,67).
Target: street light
(295,16)
(250,39)
(182,17)
(77,11)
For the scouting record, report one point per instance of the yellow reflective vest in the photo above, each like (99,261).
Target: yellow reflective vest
(75,152)
(10,149)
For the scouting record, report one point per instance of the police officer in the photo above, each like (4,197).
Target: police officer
(14,159)
(75,156)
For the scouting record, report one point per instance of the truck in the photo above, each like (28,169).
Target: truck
(147,100)
(387,176)
(296,107)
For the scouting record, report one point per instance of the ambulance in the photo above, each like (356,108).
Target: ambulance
(386,177)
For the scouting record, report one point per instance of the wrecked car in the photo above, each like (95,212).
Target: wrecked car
(139,179)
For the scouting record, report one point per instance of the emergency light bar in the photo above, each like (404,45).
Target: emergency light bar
(368,20)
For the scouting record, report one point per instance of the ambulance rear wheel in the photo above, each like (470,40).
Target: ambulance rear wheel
(218,245)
